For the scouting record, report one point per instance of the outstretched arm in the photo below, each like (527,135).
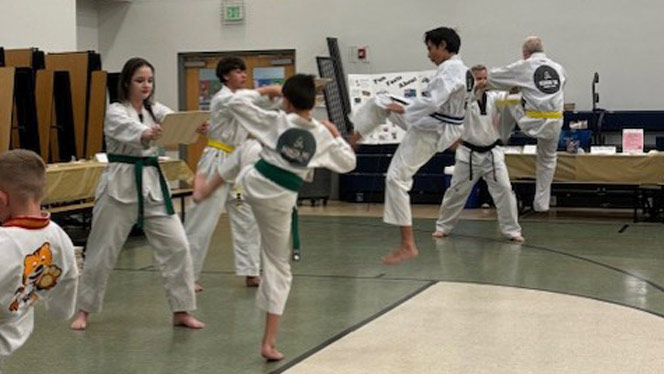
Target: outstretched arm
(506,77)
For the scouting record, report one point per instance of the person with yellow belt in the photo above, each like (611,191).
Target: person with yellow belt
(293,144)
(132,190)
(224,134)
(541,82)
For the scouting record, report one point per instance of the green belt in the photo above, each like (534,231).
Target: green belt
(139,163)
(289,181)
(282,177)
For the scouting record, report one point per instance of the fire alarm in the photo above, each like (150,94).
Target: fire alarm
(361,53)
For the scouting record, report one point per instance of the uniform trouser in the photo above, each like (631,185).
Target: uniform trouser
(546,169)
(111,223)
(202,221)
(246,238)
(499,188)
(547,133)
(415,150)
(275,228)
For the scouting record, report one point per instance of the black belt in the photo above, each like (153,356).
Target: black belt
(482,149)
(447,119)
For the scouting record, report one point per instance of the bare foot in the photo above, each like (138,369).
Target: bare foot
(184,319)
(198,288)
(518,239)
(252,281)
(402,254)
(81,321)
(271,354)
(439,234)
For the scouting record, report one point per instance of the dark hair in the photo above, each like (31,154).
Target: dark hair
(228,64)
(300,90)
(444,34)
(124,82)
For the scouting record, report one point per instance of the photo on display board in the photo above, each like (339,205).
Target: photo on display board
(404,85)
(269,76)
(209,85)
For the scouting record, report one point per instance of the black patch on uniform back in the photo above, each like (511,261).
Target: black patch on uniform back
(297,146)
(547,79)
(470,81)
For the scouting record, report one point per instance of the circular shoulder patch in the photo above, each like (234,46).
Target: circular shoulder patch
(470,81)
(297,146)
(547,79)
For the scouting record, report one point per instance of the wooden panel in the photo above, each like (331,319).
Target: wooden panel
(77,65)
(44,99)
(6,106)
(192,88)
(194,150)
(96,111)
(20,58)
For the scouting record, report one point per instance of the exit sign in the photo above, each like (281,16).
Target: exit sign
(233,12)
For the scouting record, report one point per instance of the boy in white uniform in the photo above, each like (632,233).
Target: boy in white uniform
(293,145)
(541,83)
(480,156)
(37,257)
(224,134)
(134,190)
(433,123)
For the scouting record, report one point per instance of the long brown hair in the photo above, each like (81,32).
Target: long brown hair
(124,82)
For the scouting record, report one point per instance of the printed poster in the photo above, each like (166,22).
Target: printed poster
(409,85)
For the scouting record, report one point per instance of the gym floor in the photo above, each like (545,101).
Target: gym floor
(584,293)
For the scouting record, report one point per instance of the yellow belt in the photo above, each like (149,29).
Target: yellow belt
(220,146)
(548,115)
(508,102)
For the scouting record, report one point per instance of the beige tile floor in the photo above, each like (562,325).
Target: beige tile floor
(485,329)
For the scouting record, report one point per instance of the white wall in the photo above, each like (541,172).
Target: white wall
(87,25)
(49,25)
(618,38)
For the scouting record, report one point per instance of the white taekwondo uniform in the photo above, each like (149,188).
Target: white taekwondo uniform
(116,211)
(432,123)
(38,265)
(292,148)
(480,156)
(223,136)
(541,82)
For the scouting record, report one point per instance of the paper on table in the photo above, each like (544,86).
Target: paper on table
(632,141)
(603,150)
(529,149)
(180,127)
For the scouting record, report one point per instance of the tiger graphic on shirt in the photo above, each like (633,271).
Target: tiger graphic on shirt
(39,274)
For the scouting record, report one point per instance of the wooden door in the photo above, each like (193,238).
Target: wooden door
(200,82)
(6,106)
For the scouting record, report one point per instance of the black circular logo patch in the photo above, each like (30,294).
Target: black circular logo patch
(297,146)
(470,81)
(547,79)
